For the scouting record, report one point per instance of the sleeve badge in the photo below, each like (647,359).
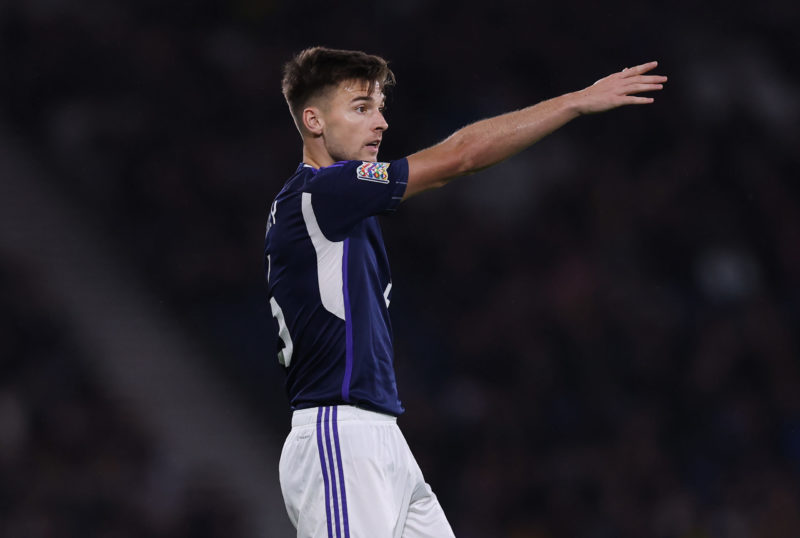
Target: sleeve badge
(377,172)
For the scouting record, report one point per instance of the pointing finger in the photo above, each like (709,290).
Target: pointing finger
(648,79)
(636,100)
(639,69)
(639,88)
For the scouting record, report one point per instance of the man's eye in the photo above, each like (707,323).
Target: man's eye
(361,108)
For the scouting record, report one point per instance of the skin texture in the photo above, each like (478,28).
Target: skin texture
(342,122)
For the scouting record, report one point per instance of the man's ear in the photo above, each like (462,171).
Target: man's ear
(312,120)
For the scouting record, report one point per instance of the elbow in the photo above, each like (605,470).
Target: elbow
(465,157)
(434,167)
(465,165)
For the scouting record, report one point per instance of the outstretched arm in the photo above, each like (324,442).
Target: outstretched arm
(487,142)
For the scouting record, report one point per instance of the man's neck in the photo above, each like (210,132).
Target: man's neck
(316,157)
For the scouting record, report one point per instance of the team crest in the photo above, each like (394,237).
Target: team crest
(378,172)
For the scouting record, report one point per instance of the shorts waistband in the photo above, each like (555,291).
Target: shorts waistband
(303,417)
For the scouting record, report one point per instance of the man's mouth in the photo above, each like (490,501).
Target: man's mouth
(374,144)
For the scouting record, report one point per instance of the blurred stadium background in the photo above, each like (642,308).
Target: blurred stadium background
(598,338)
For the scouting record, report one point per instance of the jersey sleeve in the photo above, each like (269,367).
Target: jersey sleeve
(345,193)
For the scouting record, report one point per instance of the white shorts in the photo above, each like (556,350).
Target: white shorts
(348,473)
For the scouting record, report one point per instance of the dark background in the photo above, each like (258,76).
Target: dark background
(597,338)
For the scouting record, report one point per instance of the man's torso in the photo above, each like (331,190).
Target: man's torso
(329,284)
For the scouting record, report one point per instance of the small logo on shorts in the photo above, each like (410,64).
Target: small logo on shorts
(378,172)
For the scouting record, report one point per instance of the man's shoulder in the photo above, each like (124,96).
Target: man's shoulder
(296,183)
(357,172)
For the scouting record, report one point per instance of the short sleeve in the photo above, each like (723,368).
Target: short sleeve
(346,193)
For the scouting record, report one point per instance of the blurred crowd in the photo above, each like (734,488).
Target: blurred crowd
(74,461)
(595,339)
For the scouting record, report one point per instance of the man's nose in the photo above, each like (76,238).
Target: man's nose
(382,124)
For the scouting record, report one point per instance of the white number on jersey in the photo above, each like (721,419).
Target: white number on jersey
(285,354)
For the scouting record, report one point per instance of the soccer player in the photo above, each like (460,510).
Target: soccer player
(346,470)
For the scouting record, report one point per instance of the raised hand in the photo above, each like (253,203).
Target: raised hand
(619,89)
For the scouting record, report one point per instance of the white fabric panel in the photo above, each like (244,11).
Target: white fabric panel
(386,294)
(330,256)
(385,491)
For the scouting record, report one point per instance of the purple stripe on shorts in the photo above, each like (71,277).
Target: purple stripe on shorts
(341,473)
(333,474)
(324,470)
(348,327)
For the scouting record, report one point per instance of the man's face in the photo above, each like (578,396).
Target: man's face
(353,121)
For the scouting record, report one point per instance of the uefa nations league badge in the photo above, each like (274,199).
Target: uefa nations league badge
(377,172)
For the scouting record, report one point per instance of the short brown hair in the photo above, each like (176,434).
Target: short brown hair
(316,69)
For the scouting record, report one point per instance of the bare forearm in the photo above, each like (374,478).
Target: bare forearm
(492,140)
(495,139)
(487,142)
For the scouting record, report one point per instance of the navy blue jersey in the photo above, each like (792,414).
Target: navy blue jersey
(329,283)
